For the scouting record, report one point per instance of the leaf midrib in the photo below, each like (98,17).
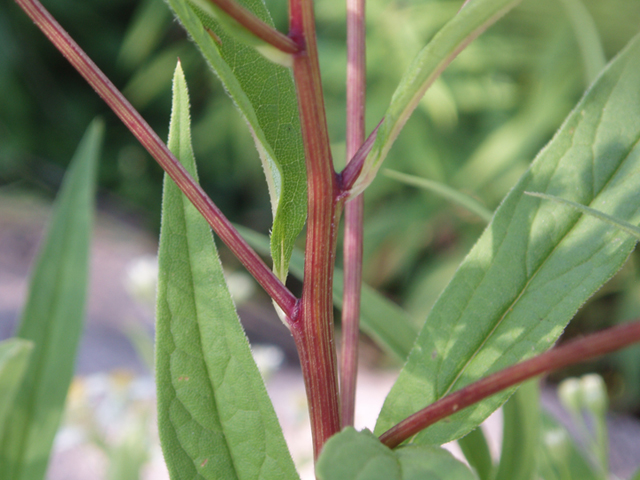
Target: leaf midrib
(185,206)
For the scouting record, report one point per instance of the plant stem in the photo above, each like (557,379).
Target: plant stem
(353,214)
(576,351)
(313,332)
(159,151)
(256,26)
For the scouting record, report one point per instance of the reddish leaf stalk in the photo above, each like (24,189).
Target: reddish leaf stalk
(577,351)
(313,332)
(256,26)
(353,214)
(159,151)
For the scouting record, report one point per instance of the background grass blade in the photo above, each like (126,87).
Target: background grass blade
(215,418)
(384,321)
(53,319)
(491,315)
(588,39)
(444,191)
(14,357)
(462,29)
(521,434)
(476,451)
(265,96)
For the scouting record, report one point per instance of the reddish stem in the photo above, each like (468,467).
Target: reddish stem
(576,351)
(256,26)
(353,215)
(313,332)
(350,174)
(159,151)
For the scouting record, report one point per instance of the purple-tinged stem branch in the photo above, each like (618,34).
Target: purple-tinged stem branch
(159,151)
(575,351)
(256,26)
(353,214)
(348,177)
(313,332)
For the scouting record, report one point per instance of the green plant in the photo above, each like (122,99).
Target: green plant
(512,296)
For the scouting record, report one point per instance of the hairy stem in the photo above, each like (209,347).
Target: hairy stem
(256,26)
(573,352)
(159,151)
(353,215)
(313,331)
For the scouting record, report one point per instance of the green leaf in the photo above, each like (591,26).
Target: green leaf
(444,191)
(384,321)
(53,319)
(211,14)
(472,19)
(14,356)
(521,434)
(352,455)
(425,462)
(215,418)
(144,33)
(265,95)
(621,224)
(535,264)
(476,450)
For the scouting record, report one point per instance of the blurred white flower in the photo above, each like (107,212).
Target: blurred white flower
(142,278)
(594,394)
(268,358)
(241,286)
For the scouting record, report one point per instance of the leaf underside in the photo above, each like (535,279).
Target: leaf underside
(215,418)
(265,95)
(352,455)
(536,263)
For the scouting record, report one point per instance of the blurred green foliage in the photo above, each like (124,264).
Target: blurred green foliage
(476,130)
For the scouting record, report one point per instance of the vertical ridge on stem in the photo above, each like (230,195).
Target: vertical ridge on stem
(313,332)
(353,216)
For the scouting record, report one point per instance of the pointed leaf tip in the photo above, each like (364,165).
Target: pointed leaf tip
(214,416)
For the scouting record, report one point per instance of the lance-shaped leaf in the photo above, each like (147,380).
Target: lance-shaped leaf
(536,263)
(215,418)
(265,96)
(360,455)
(475,448)
(53,319)
(14,355)
(472,19)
